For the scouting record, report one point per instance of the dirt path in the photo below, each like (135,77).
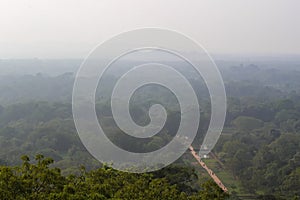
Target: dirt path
(209,171)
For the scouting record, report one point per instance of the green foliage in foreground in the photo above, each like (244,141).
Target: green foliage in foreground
(39,181)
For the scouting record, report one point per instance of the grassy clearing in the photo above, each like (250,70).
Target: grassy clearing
(233,185)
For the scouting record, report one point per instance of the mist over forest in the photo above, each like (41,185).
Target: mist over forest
(257,155)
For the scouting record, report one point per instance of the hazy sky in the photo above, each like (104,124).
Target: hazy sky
(72,28)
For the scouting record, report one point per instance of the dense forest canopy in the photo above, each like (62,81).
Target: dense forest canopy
(258,154)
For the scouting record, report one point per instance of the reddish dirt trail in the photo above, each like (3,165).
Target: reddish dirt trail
(209,171)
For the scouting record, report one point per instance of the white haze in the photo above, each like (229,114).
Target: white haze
(72,28)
